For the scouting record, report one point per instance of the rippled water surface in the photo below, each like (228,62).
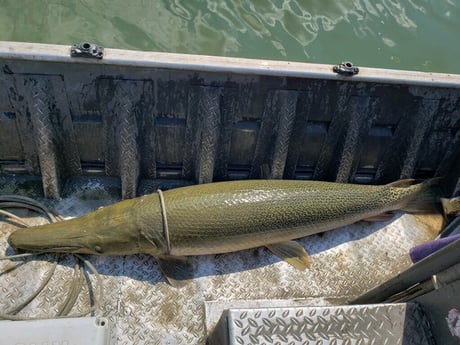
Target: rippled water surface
(403,34)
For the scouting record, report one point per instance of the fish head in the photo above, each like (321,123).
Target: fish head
(70,237)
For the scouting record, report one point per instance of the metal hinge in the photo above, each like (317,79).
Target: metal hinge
(346,68)
(87,50)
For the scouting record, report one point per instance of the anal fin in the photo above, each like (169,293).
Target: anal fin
(291,252)
(176,269)
(383,217)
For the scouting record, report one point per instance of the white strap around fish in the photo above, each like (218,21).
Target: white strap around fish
(165,221)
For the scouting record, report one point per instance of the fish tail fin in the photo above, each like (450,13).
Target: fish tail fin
(426,198)
(422,206)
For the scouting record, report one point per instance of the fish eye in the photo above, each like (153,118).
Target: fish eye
(98,249)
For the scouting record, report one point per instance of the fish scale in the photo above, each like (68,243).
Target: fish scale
(230,216)
(221,217)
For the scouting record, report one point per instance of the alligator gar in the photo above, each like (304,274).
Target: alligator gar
(222,217)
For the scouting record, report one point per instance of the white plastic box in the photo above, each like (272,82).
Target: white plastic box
(66,331)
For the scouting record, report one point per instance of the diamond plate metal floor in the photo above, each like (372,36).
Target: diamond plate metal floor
(395,324)
(144,309)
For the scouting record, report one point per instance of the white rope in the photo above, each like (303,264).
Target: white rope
(165,221)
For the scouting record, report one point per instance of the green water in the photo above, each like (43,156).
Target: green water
(401,34)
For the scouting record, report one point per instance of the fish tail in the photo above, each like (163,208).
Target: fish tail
(426,197)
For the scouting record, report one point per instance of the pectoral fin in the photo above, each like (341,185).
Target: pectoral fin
(176,269)
(291,252)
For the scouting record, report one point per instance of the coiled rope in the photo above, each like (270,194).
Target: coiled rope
(78,279)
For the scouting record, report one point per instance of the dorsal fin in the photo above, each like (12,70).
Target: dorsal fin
(402,183)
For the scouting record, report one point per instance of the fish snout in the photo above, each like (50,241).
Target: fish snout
(27,241)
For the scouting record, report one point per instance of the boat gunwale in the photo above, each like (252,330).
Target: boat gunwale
(219,64)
